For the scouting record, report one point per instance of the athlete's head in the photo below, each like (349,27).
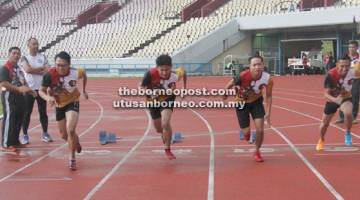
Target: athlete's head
(353,46)
(14,54)
(343,65)
(164,65)
(33,45)
(256,64)
(62,63)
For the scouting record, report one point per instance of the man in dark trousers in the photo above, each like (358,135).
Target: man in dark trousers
(14,87)
(34,66)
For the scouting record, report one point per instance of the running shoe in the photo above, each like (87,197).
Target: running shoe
(24,139)
(72,164)
(258,157)
(348,139)
(169,154)
(9,149)
(320,145)
(46,137)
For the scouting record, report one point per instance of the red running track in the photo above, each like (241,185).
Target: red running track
(212,163)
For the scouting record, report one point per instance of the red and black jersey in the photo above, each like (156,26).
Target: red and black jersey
(12,74)
(153,80)
(63,88)
(339,85)
(250,89)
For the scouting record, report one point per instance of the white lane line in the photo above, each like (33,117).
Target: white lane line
(312,117)
(58,148)
(309,165)
(210,195)
(120,163)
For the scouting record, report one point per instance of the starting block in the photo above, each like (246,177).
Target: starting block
(252,137)
(111,138)
(102,137)
(176,137)
(241,135)
(106,138)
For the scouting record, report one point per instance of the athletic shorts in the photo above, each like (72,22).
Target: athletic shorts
(256,109)
(60,112)
(331,107)
(155,112)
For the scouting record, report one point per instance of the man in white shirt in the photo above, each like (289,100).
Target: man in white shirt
(34,66)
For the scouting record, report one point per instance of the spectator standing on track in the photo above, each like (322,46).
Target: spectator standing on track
(34,65)
(13,85)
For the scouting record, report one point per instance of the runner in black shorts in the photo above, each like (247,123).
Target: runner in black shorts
(255,109)
(338,85)
(161,77)
(155,112)
(59,87)
(249,85)
(61,112)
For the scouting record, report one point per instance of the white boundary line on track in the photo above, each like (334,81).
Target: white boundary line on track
(299,95)
(309,165)
(307,91)
(187,146)
(211,183)
(58,148)
(120,163)
(298,101)
(230,132)
(315,118)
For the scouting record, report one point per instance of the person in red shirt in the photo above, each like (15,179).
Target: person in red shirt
(13,84)
(338,86)
(59,87)
(249,85)
(162,77)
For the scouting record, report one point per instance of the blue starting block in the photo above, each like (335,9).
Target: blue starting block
(176,137)
(252,137)
(111,138)
(107,138)
(241,135)
(102,137)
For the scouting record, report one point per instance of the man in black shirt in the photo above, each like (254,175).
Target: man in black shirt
(14,87)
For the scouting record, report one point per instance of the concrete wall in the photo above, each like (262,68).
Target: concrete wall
(211,45)
(243,48)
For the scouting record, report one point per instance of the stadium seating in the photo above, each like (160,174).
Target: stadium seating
(197,27)
(135,24)
(42,19)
